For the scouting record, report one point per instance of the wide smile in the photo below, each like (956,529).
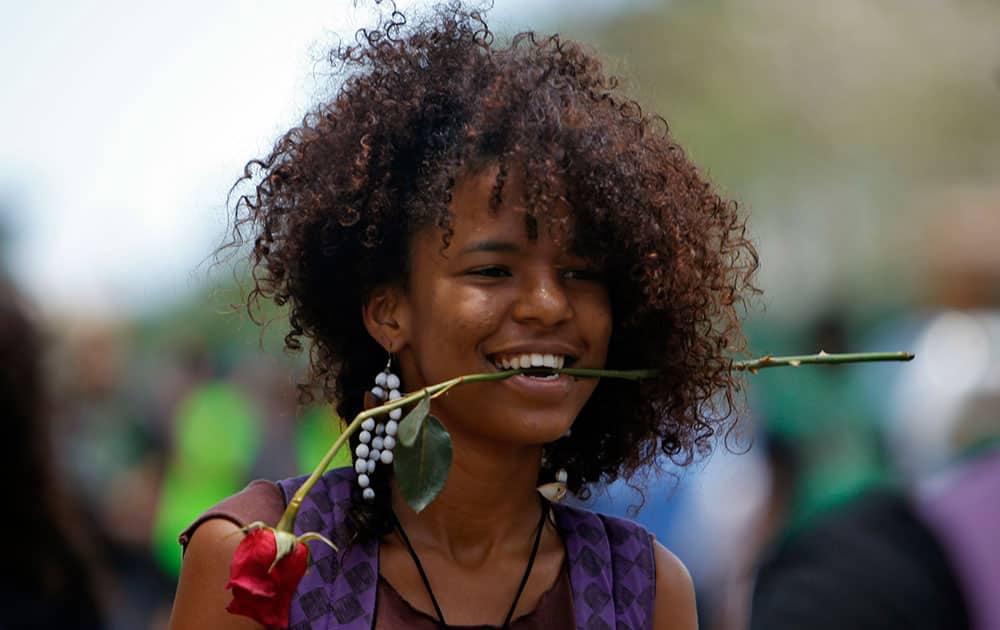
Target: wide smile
(535,385)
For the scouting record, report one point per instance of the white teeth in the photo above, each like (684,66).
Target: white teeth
(534,359)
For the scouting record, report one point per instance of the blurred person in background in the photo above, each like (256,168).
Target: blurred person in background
(922,556)
(110,437)
(214,440)
(924,553)
(815,446)
(51,575)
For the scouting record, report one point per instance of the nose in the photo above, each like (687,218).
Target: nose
(543,300)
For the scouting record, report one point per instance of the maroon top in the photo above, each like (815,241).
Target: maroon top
(263,501)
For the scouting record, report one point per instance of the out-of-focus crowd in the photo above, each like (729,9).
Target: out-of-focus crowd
(130,429)
(121,432)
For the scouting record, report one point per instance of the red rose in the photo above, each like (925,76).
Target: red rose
(262,587)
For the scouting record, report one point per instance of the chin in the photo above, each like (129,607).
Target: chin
(544,429)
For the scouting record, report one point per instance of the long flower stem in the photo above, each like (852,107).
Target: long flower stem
(288,518)
(820,358)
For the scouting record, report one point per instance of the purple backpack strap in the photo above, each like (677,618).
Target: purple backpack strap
(611,569)
(964,512)
(339,589)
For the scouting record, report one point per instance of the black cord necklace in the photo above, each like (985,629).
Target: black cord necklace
(520,587)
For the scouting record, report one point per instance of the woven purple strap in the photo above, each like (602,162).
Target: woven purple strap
(339,589)
(611,566)
(611,569)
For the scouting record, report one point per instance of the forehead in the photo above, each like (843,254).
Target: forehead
(482,202)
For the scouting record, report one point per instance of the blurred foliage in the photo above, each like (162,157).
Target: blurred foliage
(318,430)
(218,315)
(841,126)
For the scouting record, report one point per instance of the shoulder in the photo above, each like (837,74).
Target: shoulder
(260,501)
(674,607)
(201,597)
(673,600)
(209,544)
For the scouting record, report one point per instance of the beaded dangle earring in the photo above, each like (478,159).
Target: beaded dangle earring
(377,447)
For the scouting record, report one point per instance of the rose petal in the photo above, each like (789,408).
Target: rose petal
(259,591)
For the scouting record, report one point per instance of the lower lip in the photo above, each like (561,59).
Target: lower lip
(539,387)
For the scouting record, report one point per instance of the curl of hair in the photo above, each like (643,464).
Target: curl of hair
(331,210)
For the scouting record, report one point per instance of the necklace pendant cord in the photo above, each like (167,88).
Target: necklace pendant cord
(520,587)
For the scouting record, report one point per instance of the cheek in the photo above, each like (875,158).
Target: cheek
(471,314)
(455,322)
(606,336)
(601,325)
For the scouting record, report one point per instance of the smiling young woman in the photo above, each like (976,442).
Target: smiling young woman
(463,207)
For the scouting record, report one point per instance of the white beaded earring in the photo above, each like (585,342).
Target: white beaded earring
(377,447)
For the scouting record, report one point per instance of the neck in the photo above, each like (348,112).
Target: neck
(488,505)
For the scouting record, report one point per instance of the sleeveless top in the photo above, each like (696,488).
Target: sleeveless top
(610,563)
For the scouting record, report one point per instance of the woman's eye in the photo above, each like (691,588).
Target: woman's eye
(490,271)
(583,274)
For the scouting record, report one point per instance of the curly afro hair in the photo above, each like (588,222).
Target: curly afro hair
(331,211)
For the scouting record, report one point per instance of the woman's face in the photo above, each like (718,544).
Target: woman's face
(493,297)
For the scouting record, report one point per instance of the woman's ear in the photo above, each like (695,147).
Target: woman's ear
(386,316)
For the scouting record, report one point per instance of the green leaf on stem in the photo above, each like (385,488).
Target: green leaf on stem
(409,427)
(422,468)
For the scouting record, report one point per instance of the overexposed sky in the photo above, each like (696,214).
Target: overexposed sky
(123,124)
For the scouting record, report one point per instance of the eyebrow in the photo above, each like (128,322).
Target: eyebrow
(491,246)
